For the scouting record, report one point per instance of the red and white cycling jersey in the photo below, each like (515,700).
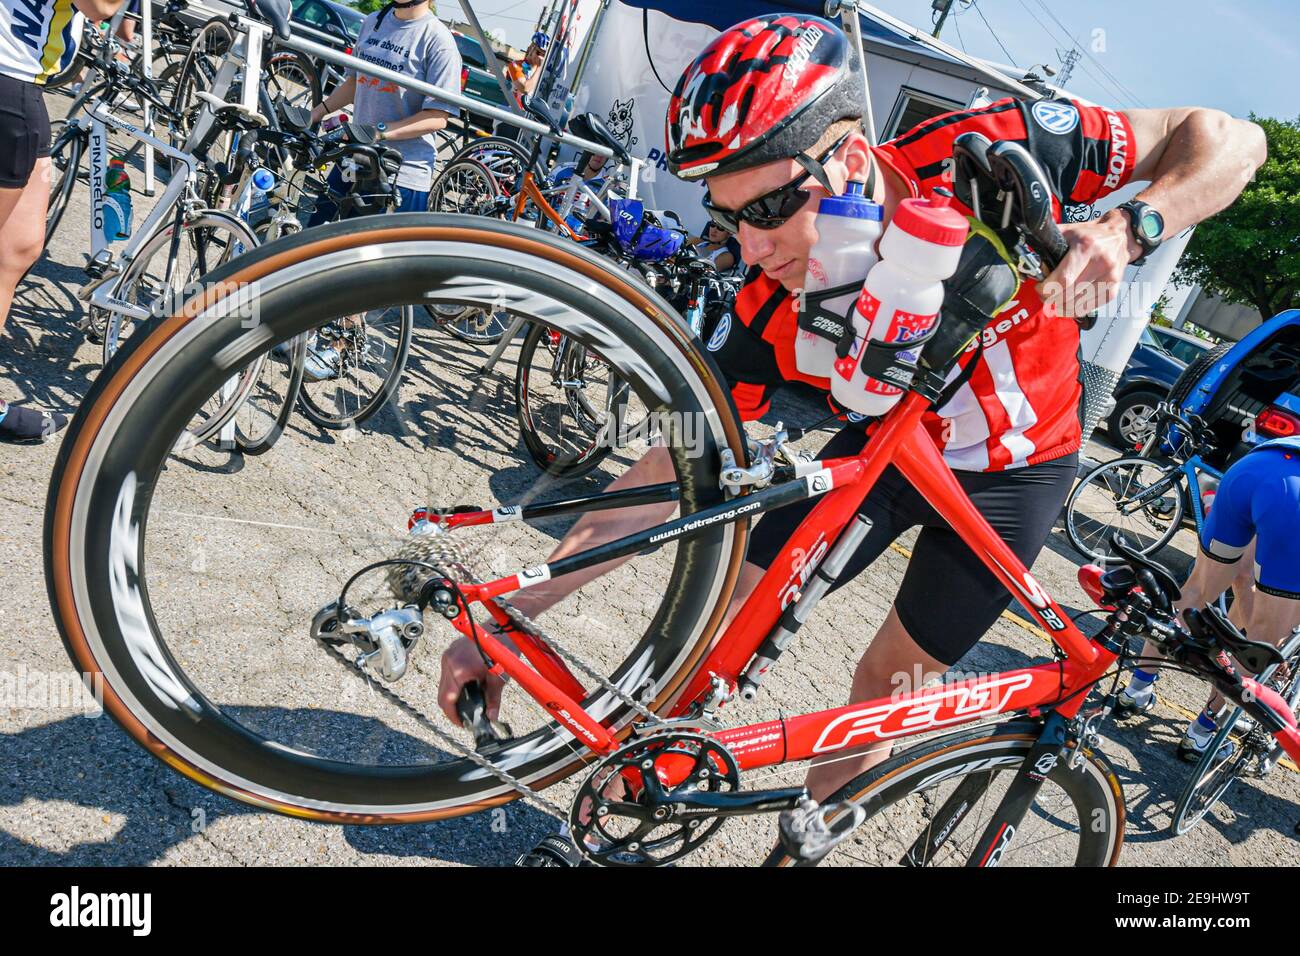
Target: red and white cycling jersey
(1021,403)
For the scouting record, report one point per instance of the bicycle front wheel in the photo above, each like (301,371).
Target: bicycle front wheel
(1142,498)
(353,366)
(929,806)
(190,590)
(1218,769)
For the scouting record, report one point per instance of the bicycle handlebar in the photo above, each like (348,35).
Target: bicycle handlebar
(1141,594)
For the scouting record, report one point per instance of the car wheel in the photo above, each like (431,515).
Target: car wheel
(1133,420)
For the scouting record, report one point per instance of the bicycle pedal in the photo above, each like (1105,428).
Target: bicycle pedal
(808,833)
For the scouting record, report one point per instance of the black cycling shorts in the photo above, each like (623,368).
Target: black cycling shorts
(24,131)
(948,599)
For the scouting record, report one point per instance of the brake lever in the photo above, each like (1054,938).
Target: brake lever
(1017,172)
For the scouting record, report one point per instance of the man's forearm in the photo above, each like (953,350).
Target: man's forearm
(598,527)
(341,96)
(419,124)
(1200,161)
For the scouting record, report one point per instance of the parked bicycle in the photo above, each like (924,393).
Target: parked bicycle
(1147,495)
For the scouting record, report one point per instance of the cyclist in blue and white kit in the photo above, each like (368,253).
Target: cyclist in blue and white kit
(1252,534)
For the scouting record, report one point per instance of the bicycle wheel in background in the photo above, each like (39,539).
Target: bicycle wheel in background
(464,186)
(191,590)
(212,44)
(504,158)
(67,146)
(1253,752)
(262,416)
(930,804)
(353,365)
(169,267)
(171,264)
(292,75)
(572,409)
(1141,497)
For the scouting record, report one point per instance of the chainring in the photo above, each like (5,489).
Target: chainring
(653,828)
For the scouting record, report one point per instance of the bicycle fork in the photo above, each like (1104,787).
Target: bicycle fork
(1041,760)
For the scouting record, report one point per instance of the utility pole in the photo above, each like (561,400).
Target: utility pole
(942,7)
(1067,65)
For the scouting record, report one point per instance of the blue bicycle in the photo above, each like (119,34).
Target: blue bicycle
(1145,497)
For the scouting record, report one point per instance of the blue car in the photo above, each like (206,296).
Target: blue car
(1248,391)
(1156,364)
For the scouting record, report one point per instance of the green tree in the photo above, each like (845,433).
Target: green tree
(367,6)
(1250,252)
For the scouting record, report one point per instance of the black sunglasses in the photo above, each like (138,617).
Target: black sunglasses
(774,209)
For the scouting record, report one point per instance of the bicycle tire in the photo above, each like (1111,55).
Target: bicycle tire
(292,60)
(67,147)
(1093,789)
(343,417)
(1187,379)
(213,40)
(447,192)
(251,442)
(1196,801)
(1089,548)
(129,288)
(504,158)
(113,455)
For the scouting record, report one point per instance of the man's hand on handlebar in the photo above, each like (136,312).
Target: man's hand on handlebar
(1089,275)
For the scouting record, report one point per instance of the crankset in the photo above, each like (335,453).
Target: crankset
(627,813)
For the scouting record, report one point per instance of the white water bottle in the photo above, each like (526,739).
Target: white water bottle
(902,296)
(848,227)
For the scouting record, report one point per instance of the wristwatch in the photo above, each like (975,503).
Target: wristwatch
(1147,226)
(381,133)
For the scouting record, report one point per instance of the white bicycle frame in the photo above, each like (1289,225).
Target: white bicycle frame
(100,292)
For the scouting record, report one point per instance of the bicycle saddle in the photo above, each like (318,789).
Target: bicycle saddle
(541,112)
(1154,579)
(274,12)
(589,127)
(1209,626)
(296,119)
(1004,187)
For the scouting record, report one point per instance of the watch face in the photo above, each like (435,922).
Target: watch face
(1152,223)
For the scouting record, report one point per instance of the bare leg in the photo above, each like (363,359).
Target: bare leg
(22,231)
(891,655)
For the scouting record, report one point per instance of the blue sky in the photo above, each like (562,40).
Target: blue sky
(1237,56)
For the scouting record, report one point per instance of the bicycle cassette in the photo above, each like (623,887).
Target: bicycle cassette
(429,544)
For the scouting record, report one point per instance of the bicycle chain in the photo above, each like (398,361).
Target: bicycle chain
(436,548)
(525,791)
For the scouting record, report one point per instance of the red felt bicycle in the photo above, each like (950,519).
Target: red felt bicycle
(1005,767)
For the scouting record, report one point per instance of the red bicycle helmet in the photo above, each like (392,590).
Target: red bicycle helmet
(766,89)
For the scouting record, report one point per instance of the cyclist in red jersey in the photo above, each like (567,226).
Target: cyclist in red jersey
(769,115)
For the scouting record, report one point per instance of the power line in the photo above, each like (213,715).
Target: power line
(995,36)
(1111,91)
(1097,62)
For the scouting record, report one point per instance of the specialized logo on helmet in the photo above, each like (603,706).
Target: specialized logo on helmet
(801,54)
(763,90)
(1055,117)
